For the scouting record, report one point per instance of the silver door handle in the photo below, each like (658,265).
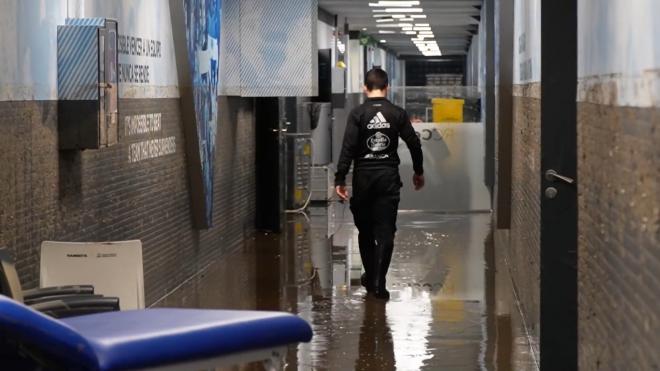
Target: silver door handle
(552,176)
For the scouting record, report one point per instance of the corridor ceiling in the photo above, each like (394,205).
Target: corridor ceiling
(452,23)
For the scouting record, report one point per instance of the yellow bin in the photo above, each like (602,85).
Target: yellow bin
(447,110)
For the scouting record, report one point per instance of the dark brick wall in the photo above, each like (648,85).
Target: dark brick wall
(99,195)
(619,247)
(524,251)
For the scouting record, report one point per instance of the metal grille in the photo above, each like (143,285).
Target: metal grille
(230,49)
(269,48)
(298,147)
(77,62)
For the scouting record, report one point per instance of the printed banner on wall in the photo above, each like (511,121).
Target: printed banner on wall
(202,18)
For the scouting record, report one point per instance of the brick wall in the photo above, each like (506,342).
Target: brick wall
(524,252)
(101,195)
(619,247)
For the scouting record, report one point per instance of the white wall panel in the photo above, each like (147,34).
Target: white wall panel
(527,42)
(28,36)
(619,51)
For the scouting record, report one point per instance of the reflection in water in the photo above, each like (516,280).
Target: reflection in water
(376,349)
(444,313)
(410,318)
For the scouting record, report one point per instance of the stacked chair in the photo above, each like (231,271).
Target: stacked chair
(58,301)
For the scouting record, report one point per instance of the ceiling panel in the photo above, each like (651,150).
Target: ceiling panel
(452,23)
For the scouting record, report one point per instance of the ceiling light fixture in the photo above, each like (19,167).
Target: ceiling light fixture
(385,3)
(386,31)
(422,28)
(422,16)
(382,20)
(399,10)
(383,41)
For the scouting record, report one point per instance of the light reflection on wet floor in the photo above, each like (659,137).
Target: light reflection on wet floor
(440,317)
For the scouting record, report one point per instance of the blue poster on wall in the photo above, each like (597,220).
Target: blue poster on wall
(202,41)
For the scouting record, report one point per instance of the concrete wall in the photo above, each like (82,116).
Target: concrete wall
(619,196)
(524,253)
(113,193)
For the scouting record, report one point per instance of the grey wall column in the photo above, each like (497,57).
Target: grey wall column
(489,120)
(504,20)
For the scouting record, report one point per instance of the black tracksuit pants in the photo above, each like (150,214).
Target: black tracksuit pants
(375,202)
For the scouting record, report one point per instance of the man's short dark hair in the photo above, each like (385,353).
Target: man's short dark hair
(376,78)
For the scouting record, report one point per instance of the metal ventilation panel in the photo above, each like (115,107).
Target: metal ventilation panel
(269,48)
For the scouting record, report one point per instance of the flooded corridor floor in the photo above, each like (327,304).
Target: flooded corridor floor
(443,313)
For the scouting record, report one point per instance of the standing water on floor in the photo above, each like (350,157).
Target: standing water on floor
(437,318)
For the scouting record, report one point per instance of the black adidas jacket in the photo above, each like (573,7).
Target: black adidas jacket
(372,137)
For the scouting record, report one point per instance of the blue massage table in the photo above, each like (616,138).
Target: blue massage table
(158,339)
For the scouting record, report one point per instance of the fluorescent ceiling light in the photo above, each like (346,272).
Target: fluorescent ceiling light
(379,15)
(399,10)
(426,32)
(398,16)
(385,31)
(422,28)
(405,26)
(383,41)
(422,24)
(364,28)
(394,3)
(382,20)
(423,16)
(410,32)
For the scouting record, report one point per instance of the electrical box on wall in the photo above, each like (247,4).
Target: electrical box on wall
(87,83)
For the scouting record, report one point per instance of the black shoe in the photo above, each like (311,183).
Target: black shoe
(381,294)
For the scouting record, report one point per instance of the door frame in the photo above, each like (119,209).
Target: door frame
(559,214)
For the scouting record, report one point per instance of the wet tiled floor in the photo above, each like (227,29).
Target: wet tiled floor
(450,308)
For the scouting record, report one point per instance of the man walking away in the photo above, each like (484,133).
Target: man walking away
(370,143)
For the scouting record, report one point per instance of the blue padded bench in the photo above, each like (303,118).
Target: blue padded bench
(171,339)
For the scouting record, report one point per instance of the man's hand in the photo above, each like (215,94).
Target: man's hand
(342,192)
(418,181)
